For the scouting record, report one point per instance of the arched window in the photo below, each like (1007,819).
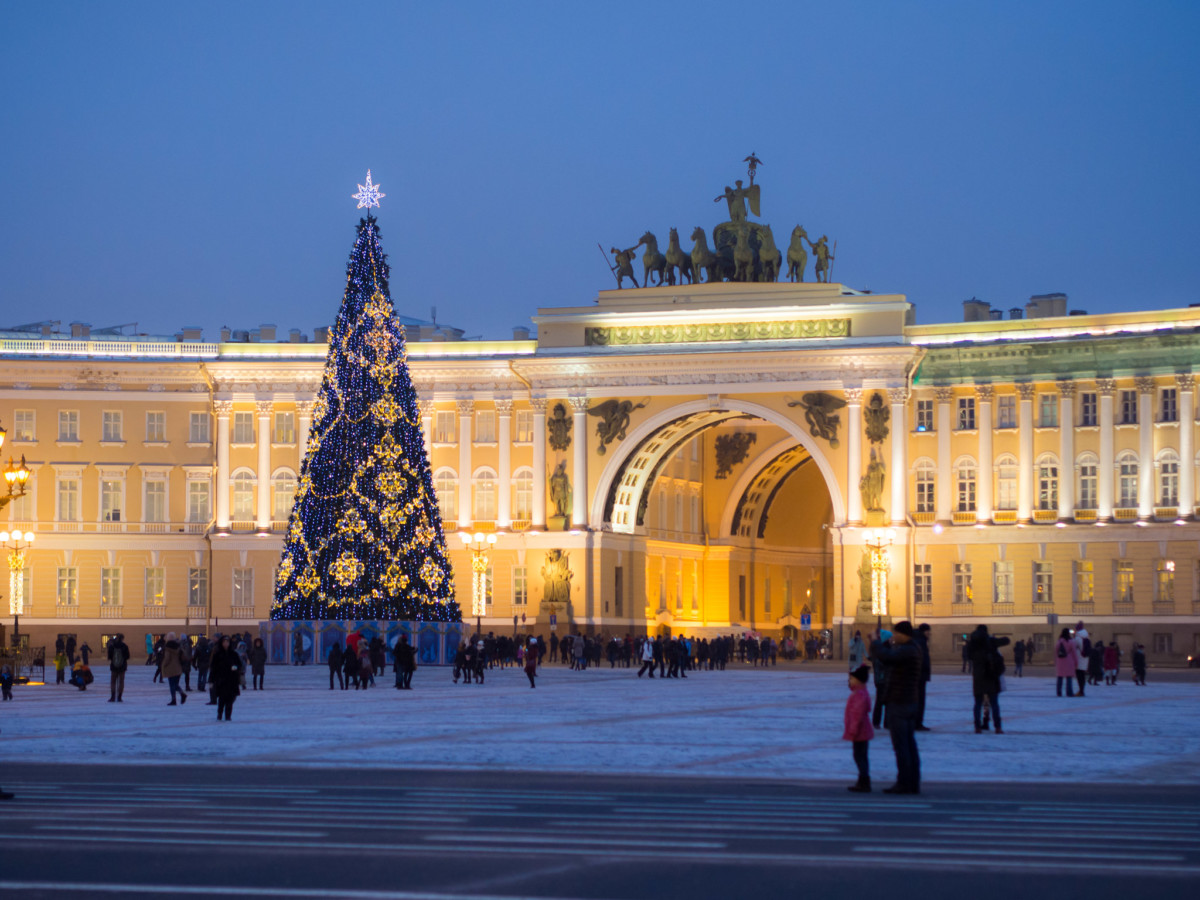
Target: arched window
(283,494)
(1168,478)
(1047,482)
(926,476)
(523,494)
(445,484)
(1006,482)
(965,474)
(1127,480)
(485,495)
(242,484)
(1087,467)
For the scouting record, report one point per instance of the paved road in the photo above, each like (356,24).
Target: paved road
(169,831)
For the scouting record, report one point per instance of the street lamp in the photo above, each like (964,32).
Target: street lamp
(15,475)
(879,540)
(479,544)
(16,542)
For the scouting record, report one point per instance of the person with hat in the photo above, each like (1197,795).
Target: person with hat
(118,664)
(531,661)
(858,727)
(901,659)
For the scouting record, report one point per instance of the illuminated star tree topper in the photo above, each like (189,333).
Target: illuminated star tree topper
(368,194)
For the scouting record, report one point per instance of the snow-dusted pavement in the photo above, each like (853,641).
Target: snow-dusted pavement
(783,723)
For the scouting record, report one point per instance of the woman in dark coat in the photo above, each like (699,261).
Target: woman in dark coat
(350,666)
(225,677)
(987,665)
(258,663)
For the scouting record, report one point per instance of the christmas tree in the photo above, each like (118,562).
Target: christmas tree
(365,538)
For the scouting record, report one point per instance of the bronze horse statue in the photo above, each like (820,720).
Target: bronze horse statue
(797,256)
(768,255)
(676,259)
(652,260)
(743,255)
(703,258)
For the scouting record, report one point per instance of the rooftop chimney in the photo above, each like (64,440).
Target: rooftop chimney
(81,330)
(266,333)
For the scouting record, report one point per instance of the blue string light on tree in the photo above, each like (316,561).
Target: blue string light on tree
(365,539)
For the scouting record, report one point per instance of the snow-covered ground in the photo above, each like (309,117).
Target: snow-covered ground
(783,723)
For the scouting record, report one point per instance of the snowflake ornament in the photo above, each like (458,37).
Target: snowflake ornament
(368,194)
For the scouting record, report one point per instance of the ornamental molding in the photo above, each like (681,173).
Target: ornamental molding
(985,392)
(717,332)
(1106,386)
(1066,388)
(1026,390)
(944,394)
(1145,384)
(1186,381)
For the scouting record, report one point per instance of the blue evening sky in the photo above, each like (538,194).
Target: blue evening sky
(192,163)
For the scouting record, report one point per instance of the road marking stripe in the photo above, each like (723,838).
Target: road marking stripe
(539,839)
(84,888)
(916,847)
(181,829)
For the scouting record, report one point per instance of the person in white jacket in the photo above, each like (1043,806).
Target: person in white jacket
(1083,646)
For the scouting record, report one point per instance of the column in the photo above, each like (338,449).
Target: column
(504,406)
(263,520)
(944,500)
(538,519)
(1106,471)
(983,488)
(854,511)
(1025,452)
(1146,389)
(224,411)
(427,427)
(899,400)
(1066,449)
(466,408)
(579,484)
(1187,462)
(304,410)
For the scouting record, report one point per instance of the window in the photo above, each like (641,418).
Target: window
(523,495)
(924,415)
(694,514)
(68,425)
(1123,581)
(110,586)
(1168,479)
(1085,581)
(485,495)
(1127,480)
(68,586)
(679,512)
(198,428)
(524,429)
(926,478)
(443,431)
(485,427)
(243,428)
(21,508)
(1043,582)
(156,586)
(24,422)
(1047,410)
(1047,481)
(446,485)
(1088,481)
(1168,406)
(1128,408)
(68,500)
(1002,575)
(766,596)
(966,413)
(1162,643)
(197,587)
(1164,589)
(1006,411)
(285,428)
(1006,483)
(198,501)
(156,427)
(283,495)
(243,587)
(966,486)
(243,496)
(1087,408)
(155,509)
(111,425)
(520,585)
(963,592)
(111,491)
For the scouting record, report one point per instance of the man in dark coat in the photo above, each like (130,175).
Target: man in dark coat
(921,639)
(118,663)
(901,659)
(335,665)
(986,668)
(404,663)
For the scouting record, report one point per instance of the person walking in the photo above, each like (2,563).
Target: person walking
(60,667)
(71,651)
(201,658)
(858,651)
(85,653)
(879,676)
(857,727)
(1018,657)
(902,660)
(172,667)
(647,657)
(118,663)
(185,659)
(1095,663)
(1066,657)
(226,677)
(531,661)
(350,667)
(258,663)
(987,666)
(335,665)
(921,639)
(1083,650)
(1139,664)
(405,663)
(1112,663)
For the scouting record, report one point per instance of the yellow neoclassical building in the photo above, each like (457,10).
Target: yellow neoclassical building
(704,458)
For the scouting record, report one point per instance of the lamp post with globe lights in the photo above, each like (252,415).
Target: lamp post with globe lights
(16,543)
(479,544)
(15,475)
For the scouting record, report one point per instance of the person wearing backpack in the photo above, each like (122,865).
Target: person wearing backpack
(118,662)
(1066,657)
(987,665)
(1083,650)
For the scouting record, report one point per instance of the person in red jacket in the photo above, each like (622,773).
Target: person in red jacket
(858,727)
(1112,662)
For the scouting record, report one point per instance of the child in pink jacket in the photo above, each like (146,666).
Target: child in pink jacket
(858,727)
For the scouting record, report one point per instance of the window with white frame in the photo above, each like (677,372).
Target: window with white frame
(445,483)
(520,585)
(1164,589)
(444,426)
(21,508)
(966,413)
(1168,478)
(1006,482)
(1047,483)
(68,586)
(924,415)
(926,476)
(1006,411)
(197,587)
(1002,577)
(1128,408)
(156,586)
(112,494)
(1162,643)
(243,587)
(485,426)
(283,495)
(1168,405)
(679,512)
(155,508)
(523,495)
(68,425)
(963,591)
(1085,581)
(111,422)
(1088,481)
(24,425)
(485,495)
(156,427)
(110,586)
(198,428)
(68,499)
(199,502)
(243,427)
(965,473)
(923,583)
(523,426)
(1043,581)
(1047,410)
(285,428)
(694,513)
(242,485)
(1123,581)
(1127,480)
(1087,409)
